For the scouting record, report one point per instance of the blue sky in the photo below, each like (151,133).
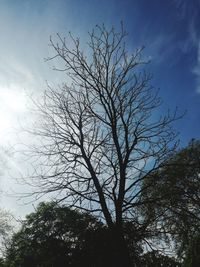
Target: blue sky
(169,30)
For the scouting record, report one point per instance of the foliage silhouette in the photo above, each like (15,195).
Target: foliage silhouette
(177,186)
(155,259)
(53,236)
(192,257)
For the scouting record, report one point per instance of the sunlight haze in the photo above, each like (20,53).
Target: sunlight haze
(170,33)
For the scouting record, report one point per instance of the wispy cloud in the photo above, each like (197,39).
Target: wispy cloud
(194,39)
(161,49)
(196,70)
(189,12)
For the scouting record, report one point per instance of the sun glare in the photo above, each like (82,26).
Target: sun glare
(12,104)
(13,99)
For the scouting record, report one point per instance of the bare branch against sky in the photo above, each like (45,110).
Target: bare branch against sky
(101,134)
(169,31)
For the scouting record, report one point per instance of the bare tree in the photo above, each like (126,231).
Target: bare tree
(102,133)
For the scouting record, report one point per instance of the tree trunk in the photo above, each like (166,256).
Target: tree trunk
(119,252)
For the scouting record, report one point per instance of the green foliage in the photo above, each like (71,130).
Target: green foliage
(154,259)
(56,235)
(52,236)
(1,262)
(192,258)
(172,196)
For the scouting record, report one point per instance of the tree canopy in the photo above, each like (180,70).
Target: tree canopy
(53,235)
(192,252)
(177,188)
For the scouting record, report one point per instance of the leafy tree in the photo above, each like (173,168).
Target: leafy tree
(177,187)
(2,262)
(100,133)
(155,259)
(192,257)
(6,230)
(6,218)
(53,235)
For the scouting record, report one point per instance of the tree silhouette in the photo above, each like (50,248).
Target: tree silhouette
(101,133)
(177,188)
(55,235)
(192,255)
(155,259)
